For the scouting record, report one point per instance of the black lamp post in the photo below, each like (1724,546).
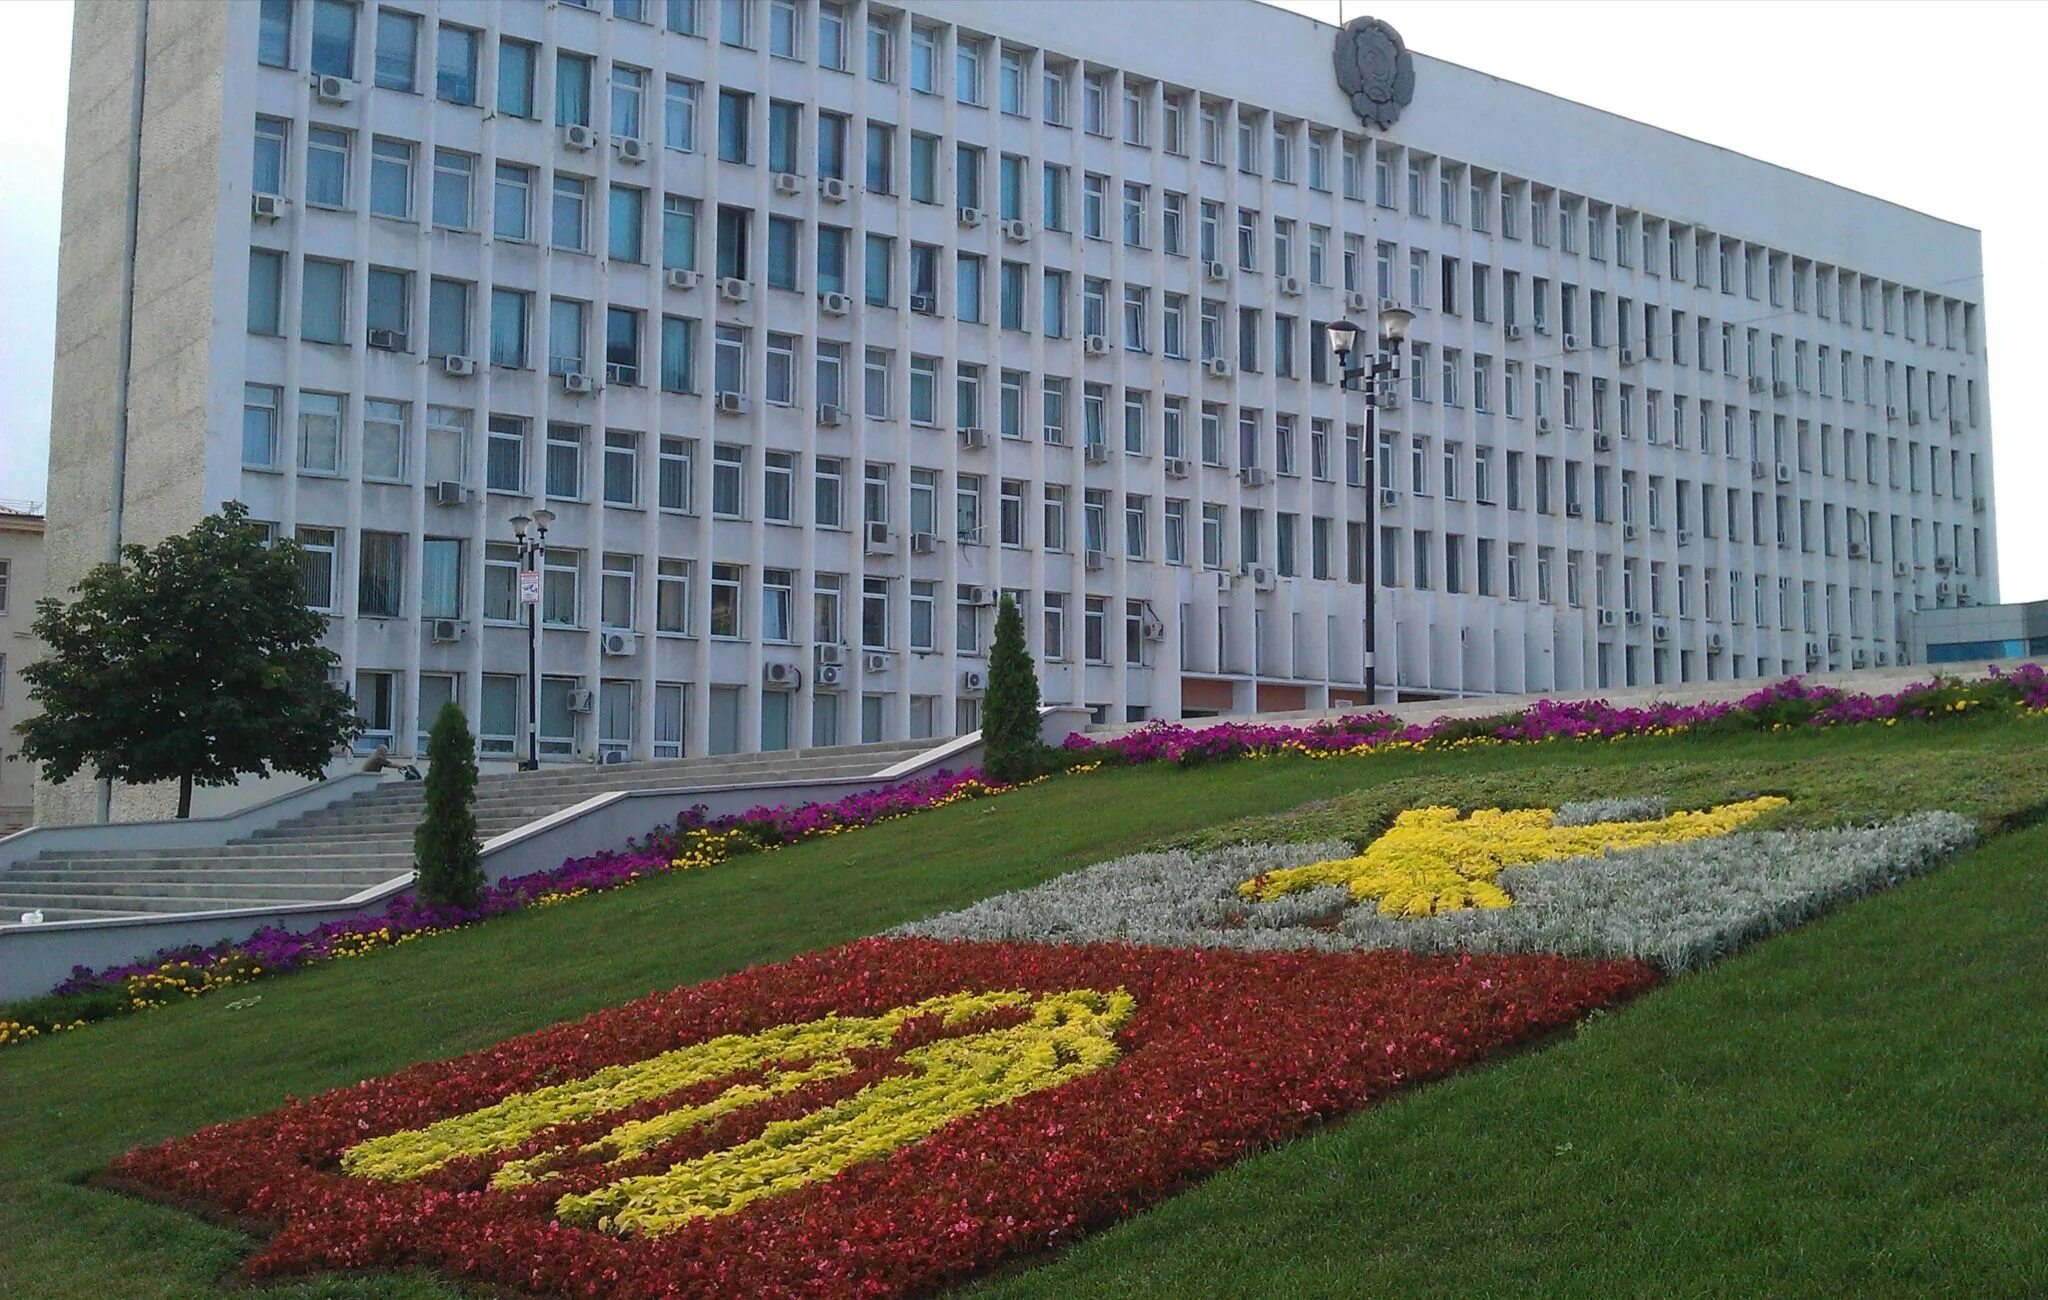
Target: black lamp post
(533,549)
(1376,376)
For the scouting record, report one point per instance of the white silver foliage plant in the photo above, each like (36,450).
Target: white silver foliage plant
(1585,812)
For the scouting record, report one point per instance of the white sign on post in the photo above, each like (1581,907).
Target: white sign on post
(529,587)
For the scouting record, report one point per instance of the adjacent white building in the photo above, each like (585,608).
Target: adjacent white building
(817,325)
(21,581)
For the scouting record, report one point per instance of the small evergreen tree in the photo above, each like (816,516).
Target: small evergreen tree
(1009,716)
(445,846)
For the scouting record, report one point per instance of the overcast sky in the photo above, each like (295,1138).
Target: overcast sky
(1922,104)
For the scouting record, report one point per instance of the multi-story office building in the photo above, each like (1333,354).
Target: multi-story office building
(817,325)
(21,581)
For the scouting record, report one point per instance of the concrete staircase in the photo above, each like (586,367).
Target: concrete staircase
(333,854)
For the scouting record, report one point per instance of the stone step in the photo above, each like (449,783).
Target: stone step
(339,881)
(197,892)
(123,904)
(51,913)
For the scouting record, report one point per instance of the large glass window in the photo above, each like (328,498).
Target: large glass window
(398,50)
(334,38)
(455,59)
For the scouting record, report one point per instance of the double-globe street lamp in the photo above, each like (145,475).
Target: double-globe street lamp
(533,547)
(1375,376)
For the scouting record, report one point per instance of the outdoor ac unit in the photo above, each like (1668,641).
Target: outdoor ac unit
(1714,642)
(1784,472)
(834,304)
(832,189)
(1389,498)
(973,681)
(1543,424)
(980,597)
(1977,504)
(1901,569)
(971,218)
(446,630)
(1962,593)
(1891,412)
(1514,333)
(731,404)
(1834,642)
(1386,399)
(1628,356)
(1571,343)
(333,90)
(1685,537)
(1756,383)
(1215,271)
(829,654)
(1859,659)
(613,757)
(732,289)
(631,151)
(1955,425)
(973,439)
(830,416)
(268,207)
(1541,327)
(825,675)
(878,538)
(1356,301)
(449,492)
(1253,476)
(1629,532)
(1660,632)
(1634,617)
(582,701)
(458,367)
(1219,367)
(387,340)
(1943,563)
(1290,286)
(1856,550)
(1152,629)
(1780,388)
(1225,580)
(681,278)
(1813,652)
(575,381)
(777,673)
(617,644)
(1095,453)
(1912,415)
(923,543)
(924,304)
(1756,469)
(1095,345)
(1608,618)
(788,183)
(874,663)
(618,372)
(579,137)
(1176,467)
(1602,442)
(1573,510)
(1884,657)
(1261,576)
(1016,231)
(1094,560)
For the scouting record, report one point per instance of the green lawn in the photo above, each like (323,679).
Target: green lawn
(1854,1108)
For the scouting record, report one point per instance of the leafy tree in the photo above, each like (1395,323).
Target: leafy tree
(445,846)
(193,661)
(1009,716)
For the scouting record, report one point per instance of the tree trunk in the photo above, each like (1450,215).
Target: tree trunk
(184,796)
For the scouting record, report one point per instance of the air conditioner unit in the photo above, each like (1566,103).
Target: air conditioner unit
(973,681)
(1574,510)
(1541,327)
(924,304)
(618,372)
(1781,388)
(1261,576)
(1095,453)
(829,416)
(1660,631)
(979,597)
(458,367)
(1955,425)
(828,654)
(631,151)
(1016,231)
(1859,659)
(1757,469)
(1513,332)
(582,701)
(878,542)
(1784,472)
(1386,399)
(1254,476)
(575,381)
(1215,272)
(1856,550)
(1901,569)
(1634,618)
(617,644)
(1095,345)
(1176,467)
(1891,412)
(1389,498)
(924,543)
(1813,652)
(1543,424)
(1943,563)
(445,630)
(731,404)
(874,663)
(268,207)
(1628,356)
(1290,286)
(449,492)
(680,278)
(732,289)
(973,439)
(333,90)
(1571,343)
(1225,580)
(834,304)
(1714,642)
(1608,618)
(832,189)
(1152,628)
(970,218)
(1884,657)
(1912,415)
(788,183)
(1834,642)
(1603,442)
(387,340)
(1629,532)
(777,673)
(1962,593)
(613,757)
(1685,537)
(1977,504)
(1356,301)
(579,137)
(826,675)
(1094,560)
(1756,383)
(1219,367)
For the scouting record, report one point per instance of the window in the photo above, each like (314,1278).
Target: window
(266,276)
(565,461)
(509,313)
(334,38)
(268,171)
(566,336)
(736,23)
(967,59)
(383,439)
(1094,205)
(567,222)
(621,468)
(323,302)
(874,614)
(728,481)
(455,64)
(398,48)
(785,30)
(734,110)
(259,436)
(778,487)
(274,34)
(319,560)
(380,571)
(454,189)
(391,179)
(327,152)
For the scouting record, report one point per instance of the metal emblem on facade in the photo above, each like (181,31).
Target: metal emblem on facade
(1375,69)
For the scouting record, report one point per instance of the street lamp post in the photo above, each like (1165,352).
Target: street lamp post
(533,549)
(1382,370)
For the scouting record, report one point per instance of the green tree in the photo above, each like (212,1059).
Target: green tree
(445,847)
(1009,718)
(193,661)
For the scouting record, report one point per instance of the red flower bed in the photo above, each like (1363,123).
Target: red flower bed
(1226,1052)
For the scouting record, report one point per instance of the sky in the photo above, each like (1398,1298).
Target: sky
(1901,100)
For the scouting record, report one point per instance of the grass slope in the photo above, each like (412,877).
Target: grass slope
(1847,1098)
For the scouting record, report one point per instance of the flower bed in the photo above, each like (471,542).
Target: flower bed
(880,1119)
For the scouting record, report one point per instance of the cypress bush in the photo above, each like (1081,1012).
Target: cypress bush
(1009,715)
(445,847)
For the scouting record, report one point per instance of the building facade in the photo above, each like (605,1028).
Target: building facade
(817,326)
(21,582)
(1972,634)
